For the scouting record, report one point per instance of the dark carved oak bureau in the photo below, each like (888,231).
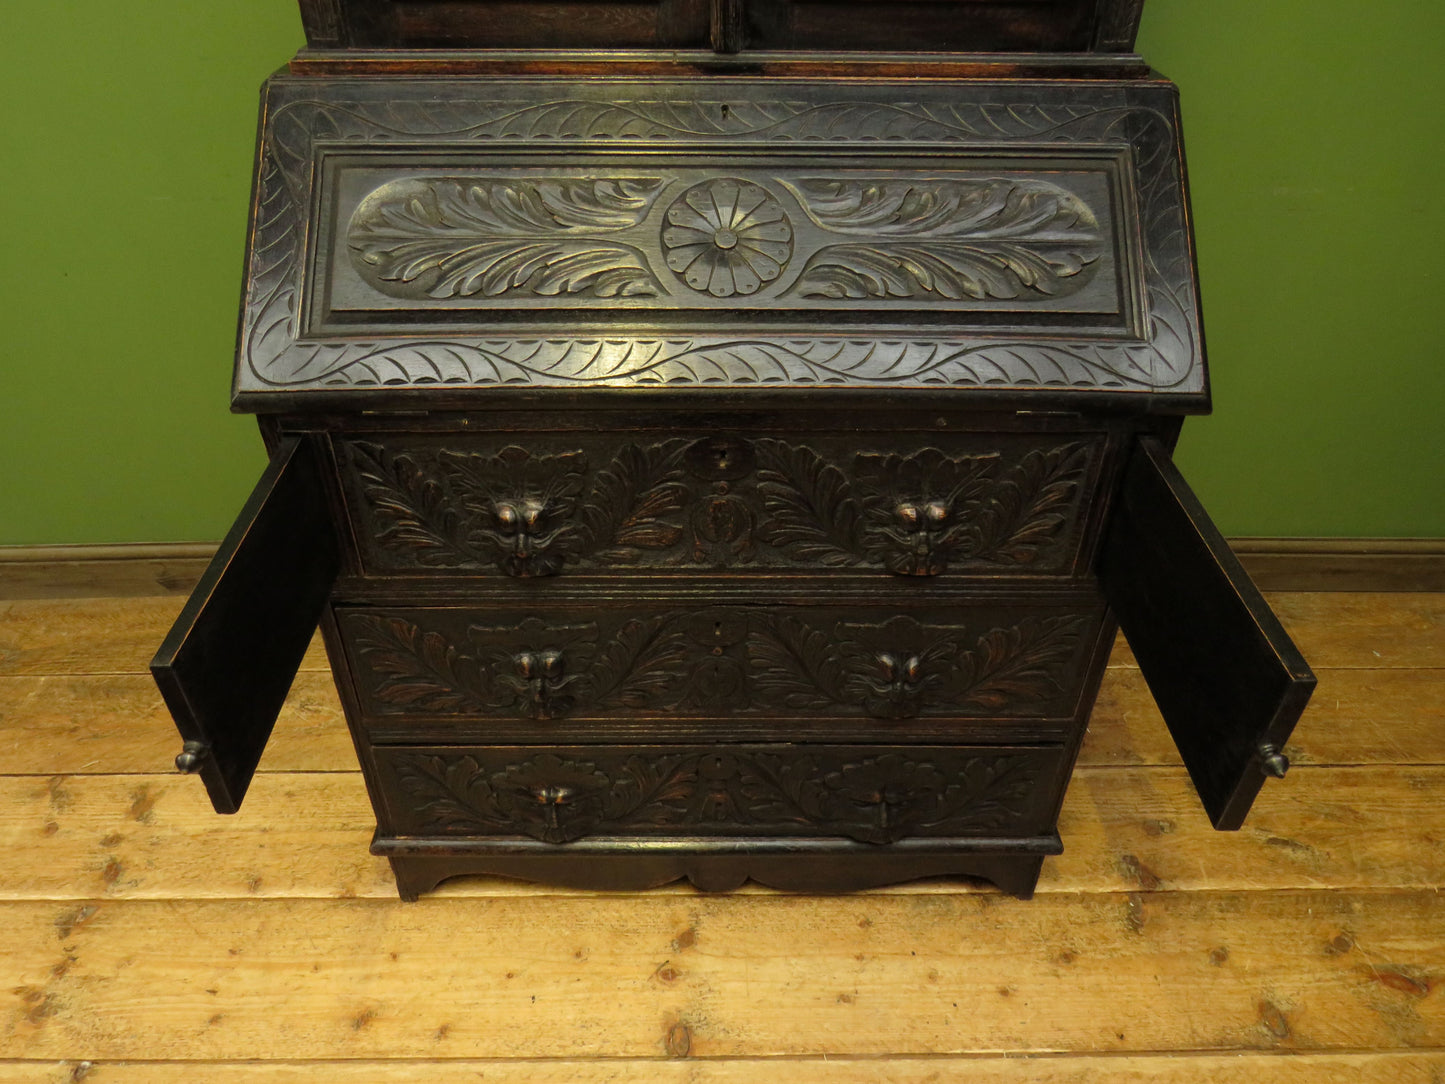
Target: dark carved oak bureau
(712,457)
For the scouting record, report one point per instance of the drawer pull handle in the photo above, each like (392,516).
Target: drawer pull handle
(540,683)
(192,755)
(1272,760)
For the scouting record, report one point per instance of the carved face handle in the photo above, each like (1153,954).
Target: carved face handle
(545,666)
(921,517)
(520,518)
(542,683)
(900,669)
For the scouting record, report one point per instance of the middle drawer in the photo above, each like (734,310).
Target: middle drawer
(599,668)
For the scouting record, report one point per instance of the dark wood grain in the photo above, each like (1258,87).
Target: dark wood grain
(718,483)
(1229,681)
(227,664)
(726,26)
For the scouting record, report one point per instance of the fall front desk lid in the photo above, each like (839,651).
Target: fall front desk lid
(534,235)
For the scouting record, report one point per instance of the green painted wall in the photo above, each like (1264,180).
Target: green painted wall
(1315,145)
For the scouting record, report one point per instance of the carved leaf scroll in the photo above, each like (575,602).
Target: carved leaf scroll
(812,511)
(1019,663)
(410,506)
(492,237)
(874,799)
(1027,508)
(626,509)
(762,664)
(529,514)
(637,666)
(914,514)
(902,669)
(796,665)
(992,238)
(416,669)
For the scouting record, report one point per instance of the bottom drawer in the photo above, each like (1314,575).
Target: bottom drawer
(871,794)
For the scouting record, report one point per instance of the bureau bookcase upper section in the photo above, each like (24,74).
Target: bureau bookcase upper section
(720,233)
(725,26)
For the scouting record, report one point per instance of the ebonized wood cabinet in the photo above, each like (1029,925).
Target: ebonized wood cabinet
(723,472)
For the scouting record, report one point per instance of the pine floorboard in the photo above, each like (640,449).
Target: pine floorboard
(147,939)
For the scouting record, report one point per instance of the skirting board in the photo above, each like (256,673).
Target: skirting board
(1276,564)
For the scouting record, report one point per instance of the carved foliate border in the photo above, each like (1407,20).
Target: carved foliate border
(874,795)
(715,662)
(307,118)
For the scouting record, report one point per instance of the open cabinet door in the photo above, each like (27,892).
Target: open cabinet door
(228,662)
(1226,676)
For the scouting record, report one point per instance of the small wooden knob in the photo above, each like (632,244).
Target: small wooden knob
(1273,761)
(192,755)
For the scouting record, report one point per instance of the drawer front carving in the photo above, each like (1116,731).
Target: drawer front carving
(718,661)
(873,795)
(565,503)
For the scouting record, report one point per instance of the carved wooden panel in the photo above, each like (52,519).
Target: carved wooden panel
(622,661)
(563,503)
(870,794)
(721,233)
(497,240)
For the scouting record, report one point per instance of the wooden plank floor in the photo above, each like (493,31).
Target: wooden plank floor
(144,938)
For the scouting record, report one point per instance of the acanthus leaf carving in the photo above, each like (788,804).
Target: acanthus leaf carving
(454,792)
(522,511)
(410,506)
(492,236)
(795,665)
(812,511)
(1014,664)
(652,790)
(976,239)
(637,666)
(418,669)
(717,660)
(627,507)
(880,799)
(300,119)
(1026,508)
(914,514)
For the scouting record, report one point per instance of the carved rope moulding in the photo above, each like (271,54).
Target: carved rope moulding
(718,502)
(560,797)
(310,119)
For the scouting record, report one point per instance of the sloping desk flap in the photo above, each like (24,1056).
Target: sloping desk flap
(228,662)
(1226,676)
(421,237)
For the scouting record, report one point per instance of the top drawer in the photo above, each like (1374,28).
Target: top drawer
(909,504)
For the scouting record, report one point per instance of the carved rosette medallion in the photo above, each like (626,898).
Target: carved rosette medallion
(727,237)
